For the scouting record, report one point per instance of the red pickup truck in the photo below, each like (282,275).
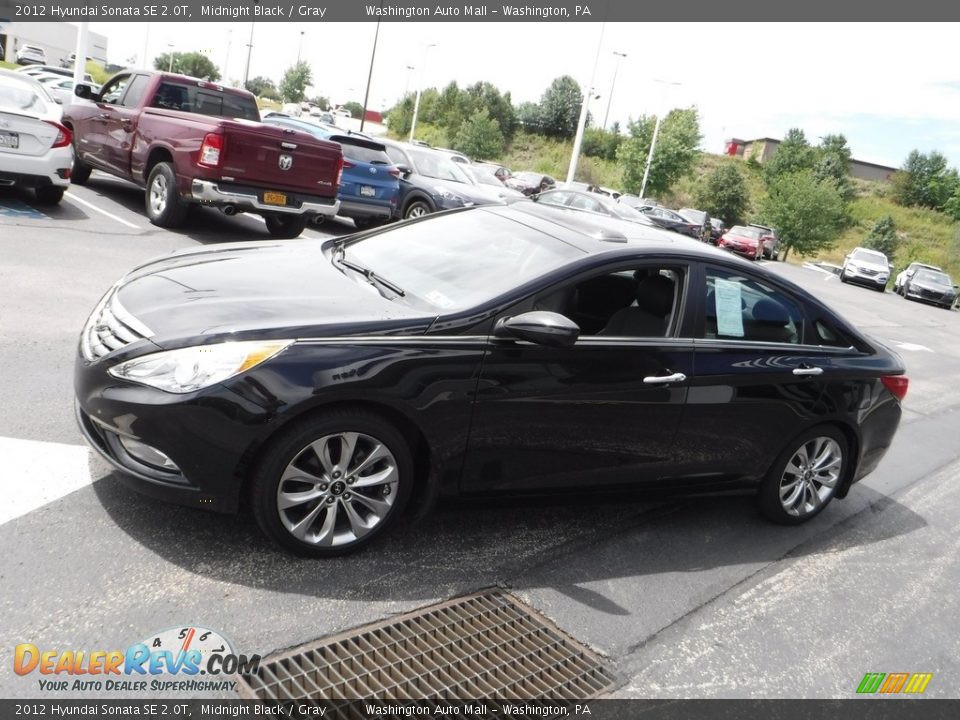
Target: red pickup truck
(193,142)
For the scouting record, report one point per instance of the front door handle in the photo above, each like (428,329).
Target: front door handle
(664,379)
(808,371)
(105,116)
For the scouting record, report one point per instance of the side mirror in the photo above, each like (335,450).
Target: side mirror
(82,90)
(540,327)
(405,170)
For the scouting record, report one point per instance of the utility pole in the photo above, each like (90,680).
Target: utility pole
(656,132)
(584,110)
(80,63)
(226,60)
(300,46)
(246,70)
(416,103)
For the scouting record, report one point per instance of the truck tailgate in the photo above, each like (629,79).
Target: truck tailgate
(277,159)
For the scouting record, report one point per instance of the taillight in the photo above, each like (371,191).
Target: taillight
(339,170)
(394,173)
(64,136)
(347,164)
(211,150)
(896,384)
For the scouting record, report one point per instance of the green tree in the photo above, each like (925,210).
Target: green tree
(194,64)
(484,95)
(601,143)
(262,87)
(354,108)
(293,84)
(480,136)
(560,108)
(528,116)
(808,213)
(793,155)
(834,163)
(724,194)
(673,158)
(883,237)
(321,101)
(925,181)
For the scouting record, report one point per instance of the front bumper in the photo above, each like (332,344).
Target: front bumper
(931,296)
(247,199)
(865,278)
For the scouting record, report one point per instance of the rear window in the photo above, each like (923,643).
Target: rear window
(359,153)
(205,101)
(21,96)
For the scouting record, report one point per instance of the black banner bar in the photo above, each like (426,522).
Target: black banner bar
(854,11)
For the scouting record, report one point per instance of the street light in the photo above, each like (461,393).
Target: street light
(170,58)
(416,104)
(613,84)
(226,60)
(406,88)
(656,132)
(246,70)
(582,123)
(300,46)
(366,94)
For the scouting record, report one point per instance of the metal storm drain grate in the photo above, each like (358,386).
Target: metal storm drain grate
(484,646)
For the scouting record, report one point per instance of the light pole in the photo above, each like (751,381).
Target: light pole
(656,132)
(246,70)
(226,60)
(80,60)
(300,46)
(613,84)
(170,57)
(416,103)
(144,62)
(366,94)
(582,124)
(406,88)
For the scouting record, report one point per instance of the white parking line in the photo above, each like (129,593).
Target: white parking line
(93,207)
(37,473)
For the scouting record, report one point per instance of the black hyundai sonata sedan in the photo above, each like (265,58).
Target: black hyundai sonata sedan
(508,349)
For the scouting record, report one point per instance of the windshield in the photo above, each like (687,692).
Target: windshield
(484,178)
(453,262)
(438,166)
(697,216)
(931,276)
(869,256)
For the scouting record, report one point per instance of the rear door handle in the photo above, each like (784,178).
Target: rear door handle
(664,379)
(808,371)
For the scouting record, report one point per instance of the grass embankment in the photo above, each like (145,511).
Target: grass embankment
(8,65)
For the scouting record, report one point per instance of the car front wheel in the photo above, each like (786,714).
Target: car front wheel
(333,484)
(418,208)
(804,477)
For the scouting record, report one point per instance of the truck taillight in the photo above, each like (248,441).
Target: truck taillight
(64,136)
(347,164)
(339,170)
(211,150)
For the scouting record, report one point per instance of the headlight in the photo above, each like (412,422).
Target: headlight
(193,368)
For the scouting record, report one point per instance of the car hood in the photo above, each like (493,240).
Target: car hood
(929,285)
(471,193)
(870,265)
(264,290)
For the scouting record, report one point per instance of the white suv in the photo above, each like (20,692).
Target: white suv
(866,267)
(30,55)
(36,150)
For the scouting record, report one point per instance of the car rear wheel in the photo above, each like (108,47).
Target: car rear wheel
(333,484)
(418,208)
(164,206)
(285,227)
(49,195)
(804,477)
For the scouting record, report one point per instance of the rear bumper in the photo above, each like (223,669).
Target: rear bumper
(247,199)
(353,209)
(52,168)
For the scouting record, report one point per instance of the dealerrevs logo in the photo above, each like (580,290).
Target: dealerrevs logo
(187,652)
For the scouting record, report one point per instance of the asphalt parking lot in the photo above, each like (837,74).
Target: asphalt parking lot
(685,598)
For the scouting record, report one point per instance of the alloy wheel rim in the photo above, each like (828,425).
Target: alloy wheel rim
(158,194)
(810,476)
(338,489)
(417,211)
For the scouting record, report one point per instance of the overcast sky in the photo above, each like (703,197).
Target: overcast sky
(888,87)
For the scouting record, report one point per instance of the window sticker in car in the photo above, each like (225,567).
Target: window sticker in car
(729,308)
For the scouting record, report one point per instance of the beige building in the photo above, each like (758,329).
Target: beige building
(762,149)
(58,40)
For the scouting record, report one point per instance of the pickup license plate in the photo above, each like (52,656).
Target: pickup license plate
(368,191)
(9,140)
(274,198)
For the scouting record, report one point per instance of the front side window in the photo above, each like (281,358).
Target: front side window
(113,90)
(739,307)
(135,93)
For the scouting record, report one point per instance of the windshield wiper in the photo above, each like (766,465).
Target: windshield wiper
(371,276)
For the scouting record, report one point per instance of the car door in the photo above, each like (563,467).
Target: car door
(93,127)
(604,411)
(120,125)
(759,379)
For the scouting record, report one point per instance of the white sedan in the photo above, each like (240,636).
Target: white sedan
(36,150)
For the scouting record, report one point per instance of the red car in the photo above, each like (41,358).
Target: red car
(192,142)
(746,241)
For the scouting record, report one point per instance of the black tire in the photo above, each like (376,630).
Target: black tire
(369,223)
(768,496)
(80,172)
(417,208)
(291,445)
(285,227)
(881,288)
(49,194)
(162,199)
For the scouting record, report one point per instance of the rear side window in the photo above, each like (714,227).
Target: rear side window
(397,155)
(205,101)
(738,307)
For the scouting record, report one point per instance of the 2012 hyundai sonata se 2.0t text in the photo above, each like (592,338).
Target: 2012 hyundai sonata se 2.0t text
(519,349)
